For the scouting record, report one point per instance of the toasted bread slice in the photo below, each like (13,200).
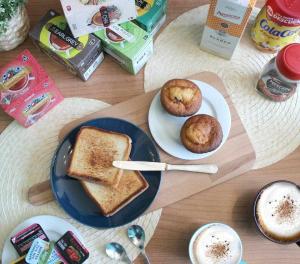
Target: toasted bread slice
(111,200)
(94,151)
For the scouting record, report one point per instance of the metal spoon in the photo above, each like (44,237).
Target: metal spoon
(117,252)
(136,235)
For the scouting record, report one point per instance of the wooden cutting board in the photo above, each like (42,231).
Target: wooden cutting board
(236,157)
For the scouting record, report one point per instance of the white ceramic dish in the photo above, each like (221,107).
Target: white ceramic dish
(165,128)
(53,226)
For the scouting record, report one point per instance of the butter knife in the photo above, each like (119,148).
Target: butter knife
(160,166)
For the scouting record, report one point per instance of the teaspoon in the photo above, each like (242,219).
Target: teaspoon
(136,235)
(117,252)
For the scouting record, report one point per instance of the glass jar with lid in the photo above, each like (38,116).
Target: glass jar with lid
(281,76)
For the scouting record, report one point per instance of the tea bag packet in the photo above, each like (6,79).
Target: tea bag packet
(18,77)
(32,106)
(96,14)
(26,92)
(23,240)
(71,249)
(43,252)
(81,56)
(151,14)
(130,45)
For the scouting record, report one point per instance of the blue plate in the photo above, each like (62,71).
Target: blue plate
(70,194)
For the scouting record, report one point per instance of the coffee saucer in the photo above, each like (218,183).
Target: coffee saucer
(165,128)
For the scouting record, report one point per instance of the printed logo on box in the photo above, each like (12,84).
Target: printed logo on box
(230,11)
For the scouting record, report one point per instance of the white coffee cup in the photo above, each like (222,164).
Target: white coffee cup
(237,259)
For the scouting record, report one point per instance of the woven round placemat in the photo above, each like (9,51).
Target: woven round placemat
(25,156)
(273,128)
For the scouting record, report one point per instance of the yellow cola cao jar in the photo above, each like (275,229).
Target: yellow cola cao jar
(276,25)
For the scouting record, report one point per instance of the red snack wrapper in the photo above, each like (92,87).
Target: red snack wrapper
(26,91)
(23,240)
(71,249)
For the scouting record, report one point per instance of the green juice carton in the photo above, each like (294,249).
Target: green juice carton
(151,14)
(130,45)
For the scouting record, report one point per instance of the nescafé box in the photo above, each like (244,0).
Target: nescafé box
(81,56)
(151,14)
(130,45)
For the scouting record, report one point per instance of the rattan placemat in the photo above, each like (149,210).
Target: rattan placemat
(25,156)
(274,128)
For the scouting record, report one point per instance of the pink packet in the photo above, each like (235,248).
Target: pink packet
(26,91)
(18,77)
(30,107)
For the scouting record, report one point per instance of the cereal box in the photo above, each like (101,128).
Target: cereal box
(81,56)
(130,45)
(225,25)
(96,14)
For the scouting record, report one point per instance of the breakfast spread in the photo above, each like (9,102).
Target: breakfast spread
(91,162)
(181,97)
(81,56)
(277,25)
(34,247)
(96,15)
(128,44)
(226,22)
(26,91)
(124,29)
(278,211)
(201,133)
(151,14)
(216,243)
(280,77)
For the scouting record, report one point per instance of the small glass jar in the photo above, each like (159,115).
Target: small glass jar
(281,76)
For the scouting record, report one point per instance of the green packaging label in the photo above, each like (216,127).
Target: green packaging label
(150,12)
(130,45)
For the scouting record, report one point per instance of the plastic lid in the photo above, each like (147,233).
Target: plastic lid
(288,61)
(289,8)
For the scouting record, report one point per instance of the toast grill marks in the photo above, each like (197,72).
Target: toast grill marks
(94,151)
(111,200)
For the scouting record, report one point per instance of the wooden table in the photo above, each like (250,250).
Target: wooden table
(230,202)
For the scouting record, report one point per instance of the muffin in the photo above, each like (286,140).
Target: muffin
(201,133)
(181,97)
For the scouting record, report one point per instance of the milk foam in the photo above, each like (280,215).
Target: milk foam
(278,210)
(217,244)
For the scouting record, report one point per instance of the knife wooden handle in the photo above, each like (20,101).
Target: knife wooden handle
(40,193)
(209,168)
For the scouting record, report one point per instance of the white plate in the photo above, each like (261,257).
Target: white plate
(53,226)
(165,128)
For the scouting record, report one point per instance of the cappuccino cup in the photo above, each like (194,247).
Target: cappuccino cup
(216,243)
(277,212)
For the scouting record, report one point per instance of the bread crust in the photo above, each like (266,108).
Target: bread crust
(181,97)
(81,176)
(122,204)
(201,133)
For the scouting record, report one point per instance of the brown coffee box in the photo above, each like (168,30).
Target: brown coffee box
(81,56)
